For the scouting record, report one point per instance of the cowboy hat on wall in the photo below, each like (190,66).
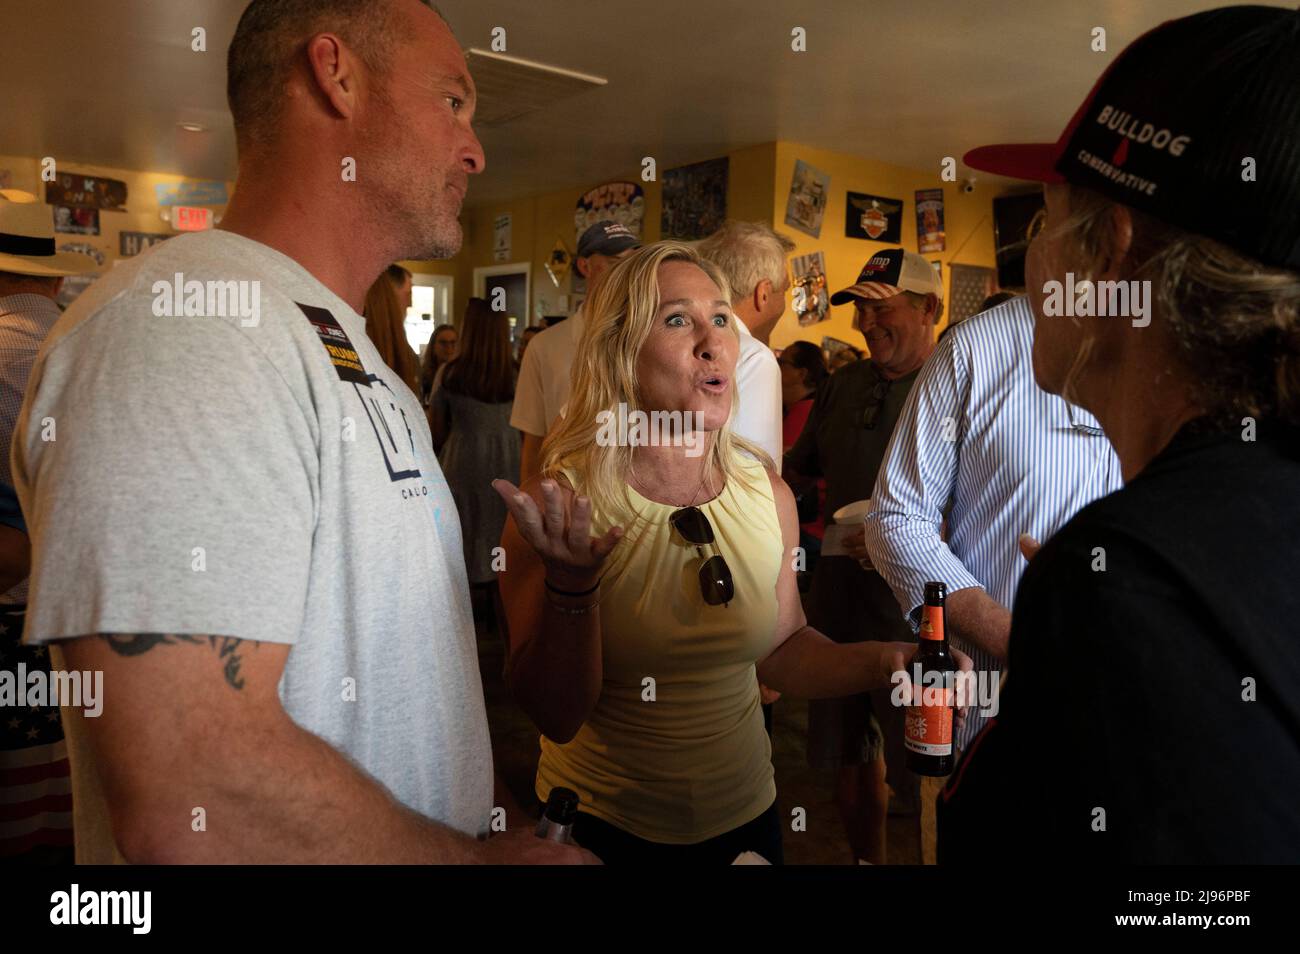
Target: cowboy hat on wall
(27,239)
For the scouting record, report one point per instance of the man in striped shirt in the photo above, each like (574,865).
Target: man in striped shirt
(979,436)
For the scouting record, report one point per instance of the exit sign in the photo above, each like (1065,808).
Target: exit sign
(187,218)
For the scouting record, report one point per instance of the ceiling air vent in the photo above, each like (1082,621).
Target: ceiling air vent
(510,87)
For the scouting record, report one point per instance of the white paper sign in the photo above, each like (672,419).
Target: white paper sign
(501,238)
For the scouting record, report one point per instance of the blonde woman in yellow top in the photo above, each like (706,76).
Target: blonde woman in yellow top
(649,574)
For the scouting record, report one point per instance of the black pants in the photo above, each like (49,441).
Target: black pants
(614,846)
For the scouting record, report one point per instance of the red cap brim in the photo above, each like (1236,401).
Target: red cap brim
(1021,160)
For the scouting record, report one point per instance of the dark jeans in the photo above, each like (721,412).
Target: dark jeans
(614,846)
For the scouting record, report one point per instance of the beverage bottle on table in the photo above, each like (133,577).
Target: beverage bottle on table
(928,732)
(557,818)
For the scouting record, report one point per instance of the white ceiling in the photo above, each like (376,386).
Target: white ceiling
(904,81)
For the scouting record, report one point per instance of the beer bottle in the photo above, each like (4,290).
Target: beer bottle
(928,733)
(557,818)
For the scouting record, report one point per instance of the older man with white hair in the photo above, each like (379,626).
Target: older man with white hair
(752,257)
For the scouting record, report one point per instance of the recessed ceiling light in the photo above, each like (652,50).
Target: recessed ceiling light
(193,127)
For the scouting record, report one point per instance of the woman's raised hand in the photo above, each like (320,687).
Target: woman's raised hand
(560,532)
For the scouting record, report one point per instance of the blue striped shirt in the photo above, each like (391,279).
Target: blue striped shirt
(978,435)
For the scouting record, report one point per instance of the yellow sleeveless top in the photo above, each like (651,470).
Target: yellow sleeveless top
(683,758)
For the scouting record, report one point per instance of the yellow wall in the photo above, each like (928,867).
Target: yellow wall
(758,183)
(967,223)
(538,221)
(141,201)
(749,190)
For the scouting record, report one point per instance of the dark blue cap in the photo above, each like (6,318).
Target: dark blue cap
(606,238)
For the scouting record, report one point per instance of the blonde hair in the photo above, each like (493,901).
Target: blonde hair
(619,319)
(1234,323)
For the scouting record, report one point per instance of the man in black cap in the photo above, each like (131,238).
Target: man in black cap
(543,386)
(897,300)
(1149,713)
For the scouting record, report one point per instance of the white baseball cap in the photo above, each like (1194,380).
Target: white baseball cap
(890,272)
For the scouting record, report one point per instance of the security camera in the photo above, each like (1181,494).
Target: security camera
(968,185)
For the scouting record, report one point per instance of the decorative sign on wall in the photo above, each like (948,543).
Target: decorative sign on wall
(501,238)
(191,193)
(133,243)
(971,284)
(557,266)
(695,200)
(929,221)
(621,202)
(873,217)
(806,204)
(810,298)
(80,221)
(76,191)
(833,346)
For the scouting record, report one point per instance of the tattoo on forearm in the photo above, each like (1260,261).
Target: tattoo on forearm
(228,648)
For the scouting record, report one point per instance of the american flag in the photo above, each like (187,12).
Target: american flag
(35,787)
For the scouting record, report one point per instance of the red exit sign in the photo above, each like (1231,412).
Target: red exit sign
(186,218)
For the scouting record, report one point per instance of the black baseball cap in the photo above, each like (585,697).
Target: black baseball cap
(607,238)
(1178,120)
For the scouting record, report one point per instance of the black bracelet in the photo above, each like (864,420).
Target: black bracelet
(559,592)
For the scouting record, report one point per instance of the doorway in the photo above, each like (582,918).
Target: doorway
(431,298)
(510,286)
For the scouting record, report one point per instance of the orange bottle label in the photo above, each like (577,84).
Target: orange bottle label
(932,623)
(928,727)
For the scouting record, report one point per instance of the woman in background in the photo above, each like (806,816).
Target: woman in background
(385,329)
(469,411)
(803,369)
(441,349)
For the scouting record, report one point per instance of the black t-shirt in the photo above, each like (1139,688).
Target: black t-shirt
(836,443)
(1129,687)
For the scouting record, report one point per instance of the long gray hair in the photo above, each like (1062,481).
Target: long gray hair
(1234,322)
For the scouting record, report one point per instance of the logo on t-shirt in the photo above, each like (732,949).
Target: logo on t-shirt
(387,419)
(337,344)
(391,429)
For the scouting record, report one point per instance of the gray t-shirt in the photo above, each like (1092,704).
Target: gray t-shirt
(249,476)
